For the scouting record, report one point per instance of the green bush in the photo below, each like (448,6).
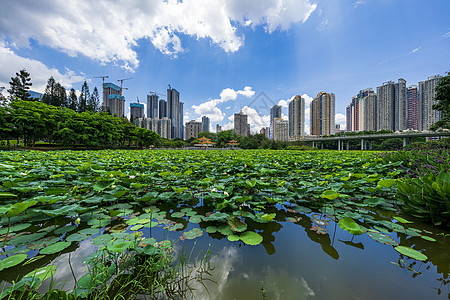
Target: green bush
(427,197)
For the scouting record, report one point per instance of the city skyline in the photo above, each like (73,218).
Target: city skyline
(219,70)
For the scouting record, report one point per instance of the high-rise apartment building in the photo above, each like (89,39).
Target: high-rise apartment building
(412,107)
(281,130)
(205,124)
(275,112)
(218,128)
(355,114)
(175,112)
(427,91)
(136,112)
(153,106)
(193,128)
(392,105)
(111,99)
(296,118)
(162,126)
(162,109)
(322,115)
(241,124)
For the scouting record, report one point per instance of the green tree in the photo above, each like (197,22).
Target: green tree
(20,85)
(2,97)
(49,95)
(61,96)
(84,97)
(72,101)
(94,101)
(442,99)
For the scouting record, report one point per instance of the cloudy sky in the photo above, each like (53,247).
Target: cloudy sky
(227,55)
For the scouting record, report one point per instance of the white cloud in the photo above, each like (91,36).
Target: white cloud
(415,50)
(446,35)
(210,109)
(359,3)
(322,25)
(39,72)
(255,120)
(247,92)
(283,103)
(107,30)
(342,120)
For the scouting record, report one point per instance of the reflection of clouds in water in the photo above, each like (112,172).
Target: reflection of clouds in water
(230,283)
(63,277)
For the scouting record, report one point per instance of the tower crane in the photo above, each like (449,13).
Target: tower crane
(103,87)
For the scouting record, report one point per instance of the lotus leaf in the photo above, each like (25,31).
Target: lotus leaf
(387,183)
(65,229)
(178,214)
(55,248)
(119,247)
(233,238)
(27,238)
(192,234)
(102,239)
(195,219)
(211,229)
(350,225)
(12,261)
(251,238)
(382,238)
(330,195)
(268,217)
(102,185)
(236,224)
(15,228)
(136,227)
(411,253)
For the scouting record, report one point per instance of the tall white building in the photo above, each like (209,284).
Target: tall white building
(281,130)
(392,105)
(275,112)
(427,91)
(241,125)
(322,114)
(193,128)
(296,118)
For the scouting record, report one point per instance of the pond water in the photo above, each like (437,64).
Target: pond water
(292,262)
(278,224)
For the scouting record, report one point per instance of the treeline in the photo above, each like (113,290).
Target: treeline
(55,94)
(33,121)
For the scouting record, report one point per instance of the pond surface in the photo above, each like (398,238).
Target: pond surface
(270,220)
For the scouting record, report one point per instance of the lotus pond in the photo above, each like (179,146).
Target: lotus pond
(278,224)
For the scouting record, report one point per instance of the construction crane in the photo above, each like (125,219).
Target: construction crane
(103,87)
(121,84)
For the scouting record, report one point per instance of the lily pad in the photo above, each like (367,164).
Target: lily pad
(12,261)
(136,227)
(350,225)
(102,239)
(195,219)
(236,224)
(192,234)
(251,238)
(15,228)
(411,253)
(233,238)
(211,229)
(382,238)
(119,247)
(65,229)
(55,248)
(178,214)
(27,238)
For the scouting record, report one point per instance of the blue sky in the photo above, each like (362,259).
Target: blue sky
(221,54)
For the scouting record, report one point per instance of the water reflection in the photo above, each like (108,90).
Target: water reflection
(234,282)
